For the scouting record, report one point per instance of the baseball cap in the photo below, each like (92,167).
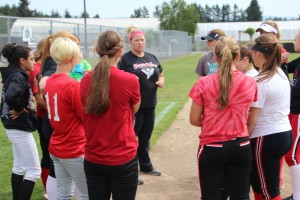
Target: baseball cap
(211,36)
(267,28)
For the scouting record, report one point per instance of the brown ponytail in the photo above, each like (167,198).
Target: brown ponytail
(225,51)
(108,45)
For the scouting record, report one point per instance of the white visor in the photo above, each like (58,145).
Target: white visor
(267,28)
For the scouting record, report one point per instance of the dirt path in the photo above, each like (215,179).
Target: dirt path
(175,155)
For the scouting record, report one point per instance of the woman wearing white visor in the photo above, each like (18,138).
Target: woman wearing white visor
(271,28)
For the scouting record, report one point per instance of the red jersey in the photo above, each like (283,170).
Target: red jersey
(223,125)
(34,87)
(111,139)
(65,113)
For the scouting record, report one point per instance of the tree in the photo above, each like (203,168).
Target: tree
(235,13)
(178,16)
(67,14)
(253,11)
(250,32)
(54,14)
(23,9)
(97,16)
(216,13)
(36,13)
(200,12)
(191,19)
(242,16)
(9,11)
(156,12)
(86,15)
(140,13)
(225,13)
(208,14)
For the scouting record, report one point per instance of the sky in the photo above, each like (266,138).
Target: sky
(124,8)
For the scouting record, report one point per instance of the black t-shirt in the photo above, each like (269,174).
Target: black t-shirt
(147,69)
(294,67)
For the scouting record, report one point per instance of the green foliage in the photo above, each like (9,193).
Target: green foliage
(156,12)
(67,14)
(253,11)
(85,15)
(177,15)
(97,16)
(220,14)
(23,10)
(216,13)
(250,32)
(54,14)
(6,10)
(141,12)
(226,13)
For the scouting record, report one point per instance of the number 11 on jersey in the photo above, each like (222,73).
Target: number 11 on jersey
(56,116)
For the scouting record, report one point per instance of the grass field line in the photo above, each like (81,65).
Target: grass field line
(163,113)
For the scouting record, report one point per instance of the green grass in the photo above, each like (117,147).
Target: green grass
(293,56)
(179,78)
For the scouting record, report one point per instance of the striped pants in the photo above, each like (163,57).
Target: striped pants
(293,156)
(267,152)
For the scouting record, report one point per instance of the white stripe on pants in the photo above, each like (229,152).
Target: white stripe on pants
(26,157)
(67,171)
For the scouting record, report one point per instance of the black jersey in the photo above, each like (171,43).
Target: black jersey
(147,69)
(294,67)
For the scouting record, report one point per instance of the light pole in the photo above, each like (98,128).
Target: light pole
(85,33)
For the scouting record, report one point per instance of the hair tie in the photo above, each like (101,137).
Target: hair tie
(135,33)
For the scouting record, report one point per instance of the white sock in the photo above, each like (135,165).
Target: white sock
(295,176)
(51,188)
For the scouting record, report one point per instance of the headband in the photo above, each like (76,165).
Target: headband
(135,33)
(265,50)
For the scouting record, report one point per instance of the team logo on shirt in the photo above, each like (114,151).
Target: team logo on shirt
(147,68)
(213,67)
(143,65)
(148,71)
(5,107)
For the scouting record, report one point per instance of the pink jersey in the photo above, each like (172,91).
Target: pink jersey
(111,139)
(65,112)
(223,125)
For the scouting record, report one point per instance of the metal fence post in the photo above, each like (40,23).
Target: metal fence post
(8,30)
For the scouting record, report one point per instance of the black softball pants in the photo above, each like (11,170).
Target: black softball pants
(143,127)
(228,161)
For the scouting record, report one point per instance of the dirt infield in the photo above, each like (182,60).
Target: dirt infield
(175,155)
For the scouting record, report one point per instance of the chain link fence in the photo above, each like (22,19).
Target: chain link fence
(29,31)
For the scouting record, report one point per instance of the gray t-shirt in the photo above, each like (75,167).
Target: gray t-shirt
(206,65)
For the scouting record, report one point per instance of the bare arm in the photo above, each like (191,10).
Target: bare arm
(40,100)
(253,113)
(42,83)
(136,107)
(161,80)
(284,57)
(196,114)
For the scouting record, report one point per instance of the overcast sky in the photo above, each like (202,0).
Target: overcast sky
(124,8)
